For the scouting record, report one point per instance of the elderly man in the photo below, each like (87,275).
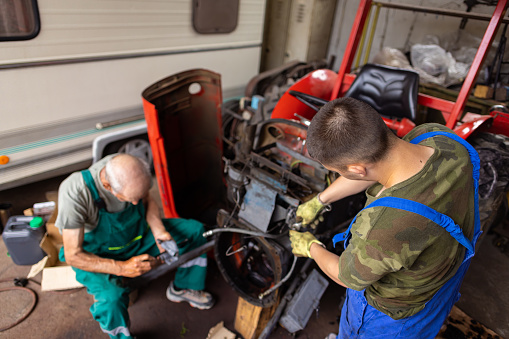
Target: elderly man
(407,251)
(109,225)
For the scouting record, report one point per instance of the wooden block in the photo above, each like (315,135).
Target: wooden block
(500,94)
(59,278)
(481,91)
(250,320)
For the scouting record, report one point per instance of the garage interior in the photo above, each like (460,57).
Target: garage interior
(64,314)
(480,313)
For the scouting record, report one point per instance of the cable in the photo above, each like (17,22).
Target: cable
(22,288)
(20,285)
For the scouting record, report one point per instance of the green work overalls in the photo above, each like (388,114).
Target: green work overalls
(123,235)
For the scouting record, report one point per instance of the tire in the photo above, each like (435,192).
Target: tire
(137,146)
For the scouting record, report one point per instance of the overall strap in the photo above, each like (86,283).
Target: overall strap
(415,207)
(441,219)
(476,164)
(89,181)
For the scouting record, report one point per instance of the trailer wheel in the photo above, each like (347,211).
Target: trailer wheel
(137,146)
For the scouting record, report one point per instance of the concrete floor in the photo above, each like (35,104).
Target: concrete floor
(485,297)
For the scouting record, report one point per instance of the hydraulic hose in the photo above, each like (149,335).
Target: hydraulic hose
(240,230)
(281,282)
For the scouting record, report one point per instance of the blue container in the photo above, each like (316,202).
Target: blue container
(22,236)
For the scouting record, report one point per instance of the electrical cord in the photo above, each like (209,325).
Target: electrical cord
(20,285)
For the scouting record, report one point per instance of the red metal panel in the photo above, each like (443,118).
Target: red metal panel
(183,114)
(317,83)
(477,63)
(466,129)
(159,155)
(500,123)
(445,106)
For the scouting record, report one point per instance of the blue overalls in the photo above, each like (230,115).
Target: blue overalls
(361,320)
(121,236)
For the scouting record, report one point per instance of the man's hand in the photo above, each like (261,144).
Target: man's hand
(309,212)
(137,265)
(301,243)
(162,236)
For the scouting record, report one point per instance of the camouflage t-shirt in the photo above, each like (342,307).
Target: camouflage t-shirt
(400,258)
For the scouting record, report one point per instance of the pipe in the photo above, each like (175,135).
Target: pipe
(371,34)
(243,231)
(361,43)
(287,297)
(164,268)
(281,282)
(440,11)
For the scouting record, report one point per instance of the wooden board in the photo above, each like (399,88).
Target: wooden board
(250,320)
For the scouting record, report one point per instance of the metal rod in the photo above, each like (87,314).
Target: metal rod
(363,38)
(164,268)
(371,34)
(441,11)
(351,46)
(243,231)
(79,60)
(102,125)
(481,54)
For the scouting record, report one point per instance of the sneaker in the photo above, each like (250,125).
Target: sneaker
(199,299)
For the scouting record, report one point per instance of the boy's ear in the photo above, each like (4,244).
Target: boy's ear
(357,169)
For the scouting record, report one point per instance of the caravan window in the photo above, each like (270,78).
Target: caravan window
(19,19)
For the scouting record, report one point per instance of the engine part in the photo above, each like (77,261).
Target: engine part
(172,251)
(269,173)
(251,265)
(304,302)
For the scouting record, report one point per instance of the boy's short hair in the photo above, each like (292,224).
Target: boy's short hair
(347,131)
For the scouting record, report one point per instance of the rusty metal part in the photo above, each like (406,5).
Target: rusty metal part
(164,268)
(183,114)
(441,11)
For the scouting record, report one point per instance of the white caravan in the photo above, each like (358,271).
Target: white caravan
(72,71)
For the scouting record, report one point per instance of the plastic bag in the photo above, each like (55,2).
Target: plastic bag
(392,57)
(432,59)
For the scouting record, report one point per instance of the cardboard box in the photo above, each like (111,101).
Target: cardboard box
(53,232)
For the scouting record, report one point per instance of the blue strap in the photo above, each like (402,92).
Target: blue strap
(89,181)
(476,164)
(441,219)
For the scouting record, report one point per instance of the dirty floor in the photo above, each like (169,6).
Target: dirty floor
(485,298)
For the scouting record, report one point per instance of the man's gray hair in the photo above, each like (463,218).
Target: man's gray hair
(119,176)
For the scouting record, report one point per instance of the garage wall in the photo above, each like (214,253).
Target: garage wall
(401,29)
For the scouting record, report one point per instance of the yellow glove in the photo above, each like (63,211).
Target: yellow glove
(301,243)
(309,212)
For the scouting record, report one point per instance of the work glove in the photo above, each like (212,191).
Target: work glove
(301,243)
(309,213)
